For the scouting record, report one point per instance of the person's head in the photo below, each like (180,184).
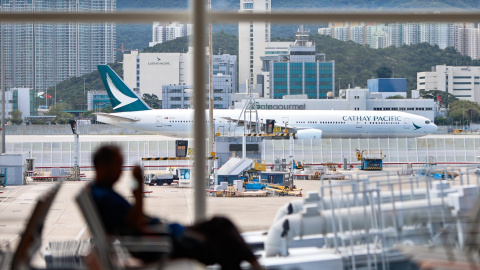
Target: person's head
(108,164)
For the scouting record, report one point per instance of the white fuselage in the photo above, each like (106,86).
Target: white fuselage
(332,123)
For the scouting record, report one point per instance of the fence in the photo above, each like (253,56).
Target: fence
(396,150)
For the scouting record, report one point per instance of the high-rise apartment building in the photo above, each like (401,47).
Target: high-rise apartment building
(162,32)
(39,55)
(463,36)
(252,39)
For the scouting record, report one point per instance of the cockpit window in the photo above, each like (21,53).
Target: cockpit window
(427,122)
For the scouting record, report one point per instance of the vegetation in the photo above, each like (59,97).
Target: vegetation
(442,97)
(464,112)
(178,45)
(458,111)
(152,101)
(395,97)
(15,117)
(58,110)
(384,72)
(71,91)
(223,43)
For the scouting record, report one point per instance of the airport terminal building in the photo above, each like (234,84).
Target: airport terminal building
(350,99)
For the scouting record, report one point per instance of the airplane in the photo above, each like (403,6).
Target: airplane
(130,111)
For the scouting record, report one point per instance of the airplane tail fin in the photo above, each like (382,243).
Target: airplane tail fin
(123,99)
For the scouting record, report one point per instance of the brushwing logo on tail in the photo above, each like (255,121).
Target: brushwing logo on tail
(119,96)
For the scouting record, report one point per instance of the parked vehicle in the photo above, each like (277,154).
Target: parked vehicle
(160,178)
(439,174)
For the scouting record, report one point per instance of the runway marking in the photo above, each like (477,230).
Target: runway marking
(9,241)
(81,232)
(9,195)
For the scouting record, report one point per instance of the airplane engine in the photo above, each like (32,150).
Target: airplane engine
(310,133)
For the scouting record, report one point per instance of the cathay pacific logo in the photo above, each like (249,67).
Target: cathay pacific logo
(416,127)
(119,96)
(158,63)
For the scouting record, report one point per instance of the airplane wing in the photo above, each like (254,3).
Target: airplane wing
(117,117)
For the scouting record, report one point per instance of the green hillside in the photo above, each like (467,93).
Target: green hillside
(355,62)
(222,42)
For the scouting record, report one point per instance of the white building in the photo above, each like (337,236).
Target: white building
(462,82)
(350,99)
(162,32)
(252,39)
(22,99)
(147,72)
(326,31)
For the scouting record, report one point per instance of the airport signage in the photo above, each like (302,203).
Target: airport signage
(158,63)
(266,106)
(374,118)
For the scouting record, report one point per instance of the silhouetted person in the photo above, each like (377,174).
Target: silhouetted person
(210,242)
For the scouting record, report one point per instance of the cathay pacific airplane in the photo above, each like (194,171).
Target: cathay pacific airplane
(130,111)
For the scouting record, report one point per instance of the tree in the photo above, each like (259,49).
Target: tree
(441,121)
(16,117)
(152,101)
(58,110)
(384,72)
(395,97)
(464,111)
(444,100)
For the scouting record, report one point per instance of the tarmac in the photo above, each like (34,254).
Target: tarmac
(65,222)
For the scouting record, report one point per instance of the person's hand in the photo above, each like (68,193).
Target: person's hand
(137,174)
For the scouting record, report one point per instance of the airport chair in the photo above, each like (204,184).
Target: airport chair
(108,255)
(31,238)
